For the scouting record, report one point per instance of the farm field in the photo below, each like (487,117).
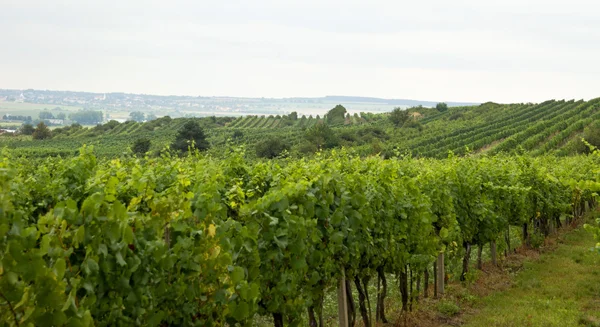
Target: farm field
(266,242)
(255,220)
(30,109)
(9,123)
(550,127)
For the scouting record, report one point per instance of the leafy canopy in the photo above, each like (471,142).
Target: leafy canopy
(141,146)
(42,132)
(441,107)
(271,148)
(321,136)
(190,135)
(336,115)
(398,117)
(137,116)
(27,129)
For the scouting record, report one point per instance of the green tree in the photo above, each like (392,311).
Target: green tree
(271,148)
(321,136)
(293,115)
(46,115)
(398,117)
(151,117)
(137,116)
(27,129)
(413,124)
(336,115)
(441,107)
(141,146)
(286,121)
(237,134)
(61,115)
(190,135)
(591,135)
(87,117)
(42,132)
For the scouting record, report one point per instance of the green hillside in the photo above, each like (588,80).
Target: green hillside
(548,127)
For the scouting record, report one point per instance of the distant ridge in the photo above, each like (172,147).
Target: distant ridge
(399,102)
(329,98)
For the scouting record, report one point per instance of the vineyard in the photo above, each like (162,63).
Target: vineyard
(551,127)
(204,241)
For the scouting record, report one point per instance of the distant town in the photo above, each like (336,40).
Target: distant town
(65,107)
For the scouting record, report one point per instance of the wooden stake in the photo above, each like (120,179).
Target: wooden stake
(440,274)
(342,302)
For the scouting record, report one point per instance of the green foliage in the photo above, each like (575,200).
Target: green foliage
(190,135)
(67,130)
(448,308)
(137,116)
(27,129)
(41,132)
(46,115)
(456,115)
(214,242)
(156,123)
(591,136)
(349,136)
(336,115)
(141,146)
(16,117)
(101,128)
(551,126)
(441,107)
(536,240)
(271,148)
(321,136)
(87,117)
(398,117)
(237,134)
(414,124)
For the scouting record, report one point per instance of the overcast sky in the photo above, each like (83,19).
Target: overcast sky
(503,51)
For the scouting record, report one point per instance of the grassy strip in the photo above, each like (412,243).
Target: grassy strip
(560,288)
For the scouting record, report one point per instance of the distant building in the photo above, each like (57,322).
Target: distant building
(56,121)
(8,131)
(415,115)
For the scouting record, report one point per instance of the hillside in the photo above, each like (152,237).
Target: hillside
(548,127)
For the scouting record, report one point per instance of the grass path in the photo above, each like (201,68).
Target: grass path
(560,288)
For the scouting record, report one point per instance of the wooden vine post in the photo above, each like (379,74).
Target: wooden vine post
(342,301)
(493,250)
(440,275)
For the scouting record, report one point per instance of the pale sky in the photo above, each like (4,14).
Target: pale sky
(503,51)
